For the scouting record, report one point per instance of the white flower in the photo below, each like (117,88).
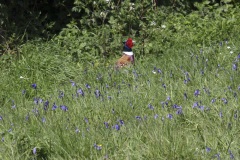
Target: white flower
(228,47)
(231,52)
(163,26)
(107,1)
(153,23)
(21,77)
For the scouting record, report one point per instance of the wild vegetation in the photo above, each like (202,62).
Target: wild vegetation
(61,98)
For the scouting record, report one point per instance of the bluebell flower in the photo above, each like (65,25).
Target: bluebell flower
(117,127)
(121,122)
(35,111)
(185,95)
(27,117)
(34,86)
(106,124)
(138,117)
(238,56)
(64,108)
(220,114)
(1,118)
(80,91)
(77,130)
(36,100)
(34,150)
(156,116)
(98,147)
(170,116)
(164,86)
(46,104)
(86,120)
(150,107)
(159,71)
(217,155)
(73,83)
(61,94)
(224,100)
(195,104)
(234,67)
(231,154)
(201,108)
(23,92)
(2,139)
(54,107)
(163,103)
(197,92)
(97,93)
(43,119)
(213,100)
(168,98)
(208,149)
(235,115)
(88,86)
(179,111)
(14,106)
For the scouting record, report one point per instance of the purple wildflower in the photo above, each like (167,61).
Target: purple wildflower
(106,124)
(201,108)
(88,86)
(121,122)
(234,67)
(208,149)
(54,107)
(156,116)
(170,116)
(23,92)
(238,56)
(43,119)
(179,111)
(80,91)
(34,86)
(61,94)
(98,147)
(97,93)
(213,100)
(195,104)
(1,118)
(34,150)
(117,127)
(27,117)
(77,130)
(138,117)
(46,104)
(168,98)
(164,86)
(185,95)
(224,100)
(73,83)
(150,107)
(64,108)
(220,114)
(86,120)
(231,154)
(36,100)
(197,92)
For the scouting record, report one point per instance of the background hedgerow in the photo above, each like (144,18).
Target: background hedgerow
(62,98)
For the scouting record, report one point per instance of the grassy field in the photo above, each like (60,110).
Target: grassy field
(181,105)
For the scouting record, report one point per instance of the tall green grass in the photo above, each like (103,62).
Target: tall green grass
(143,112)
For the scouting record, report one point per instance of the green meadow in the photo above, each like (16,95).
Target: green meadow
(61,99)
